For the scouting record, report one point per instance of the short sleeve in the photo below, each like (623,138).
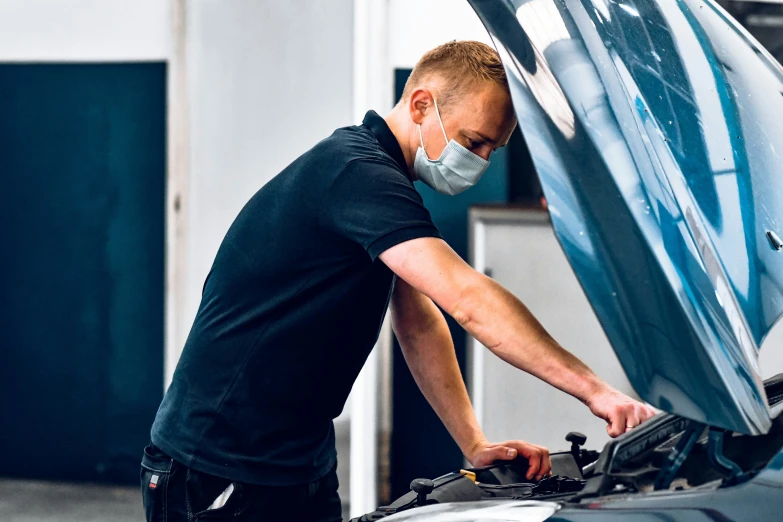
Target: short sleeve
(375,205)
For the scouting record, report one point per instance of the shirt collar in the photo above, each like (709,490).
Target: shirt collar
(385,137)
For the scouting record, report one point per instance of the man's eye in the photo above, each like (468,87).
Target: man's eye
(473,144)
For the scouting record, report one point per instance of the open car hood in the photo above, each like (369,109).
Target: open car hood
(656,129)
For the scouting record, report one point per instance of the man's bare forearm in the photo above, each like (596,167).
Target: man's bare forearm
(429,353)
(503,324)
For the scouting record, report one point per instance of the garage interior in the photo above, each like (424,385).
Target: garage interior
(132,133)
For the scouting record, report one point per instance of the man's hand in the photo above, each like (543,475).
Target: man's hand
(539,463)
(621,412)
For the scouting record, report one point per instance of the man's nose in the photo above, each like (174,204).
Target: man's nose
(484,152)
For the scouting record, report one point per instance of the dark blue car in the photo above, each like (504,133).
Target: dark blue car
(656,129)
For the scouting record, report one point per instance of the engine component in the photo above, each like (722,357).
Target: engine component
(504,480)
(678,455)
(422,488)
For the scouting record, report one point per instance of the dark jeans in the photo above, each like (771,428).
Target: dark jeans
(173,492)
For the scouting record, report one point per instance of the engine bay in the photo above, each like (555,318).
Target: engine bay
(667,452)
(501,481)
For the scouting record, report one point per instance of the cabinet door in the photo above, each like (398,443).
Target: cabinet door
(519,250)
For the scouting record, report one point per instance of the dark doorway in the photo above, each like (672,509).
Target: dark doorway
(82,166)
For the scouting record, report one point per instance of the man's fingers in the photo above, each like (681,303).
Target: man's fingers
(617,425)
(628,417)
(620,412)
(487,455)
(639,414)
(506,453)
(632,421)
(648,413)
(538,461)
(546,464)
(501,453)
(533,464)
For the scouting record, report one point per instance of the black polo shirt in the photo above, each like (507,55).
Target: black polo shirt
(290,310)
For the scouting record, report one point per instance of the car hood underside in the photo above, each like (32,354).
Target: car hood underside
(656,130)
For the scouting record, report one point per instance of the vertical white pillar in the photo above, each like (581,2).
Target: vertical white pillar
(364,455)
(176,191)
(373,89)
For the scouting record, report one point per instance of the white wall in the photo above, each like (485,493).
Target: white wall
(416,26)
(84,30)
(771,355)
(266,81)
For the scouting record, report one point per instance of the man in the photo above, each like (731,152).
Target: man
(299,288)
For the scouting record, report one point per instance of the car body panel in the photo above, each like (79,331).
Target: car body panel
(486,511)
(656,130)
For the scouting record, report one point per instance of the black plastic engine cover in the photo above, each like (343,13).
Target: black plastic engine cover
(458,487)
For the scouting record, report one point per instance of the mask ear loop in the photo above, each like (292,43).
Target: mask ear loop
(439,121)
(421,140)
(418,127)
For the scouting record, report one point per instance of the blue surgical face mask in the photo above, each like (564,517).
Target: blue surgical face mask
(454,171)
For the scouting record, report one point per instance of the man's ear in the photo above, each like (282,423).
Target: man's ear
(419,104)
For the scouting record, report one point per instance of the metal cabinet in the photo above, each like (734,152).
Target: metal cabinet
(517,248)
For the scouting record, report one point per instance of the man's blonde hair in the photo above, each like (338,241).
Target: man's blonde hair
(463,66)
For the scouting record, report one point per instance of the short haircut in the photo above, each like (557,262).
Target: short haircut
(463,66)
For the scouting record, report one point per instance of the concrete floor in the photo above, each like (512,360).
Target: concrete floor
(34,501)
(39,501)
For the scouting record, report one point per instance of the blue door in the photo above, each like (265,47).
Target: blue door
(82,180)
